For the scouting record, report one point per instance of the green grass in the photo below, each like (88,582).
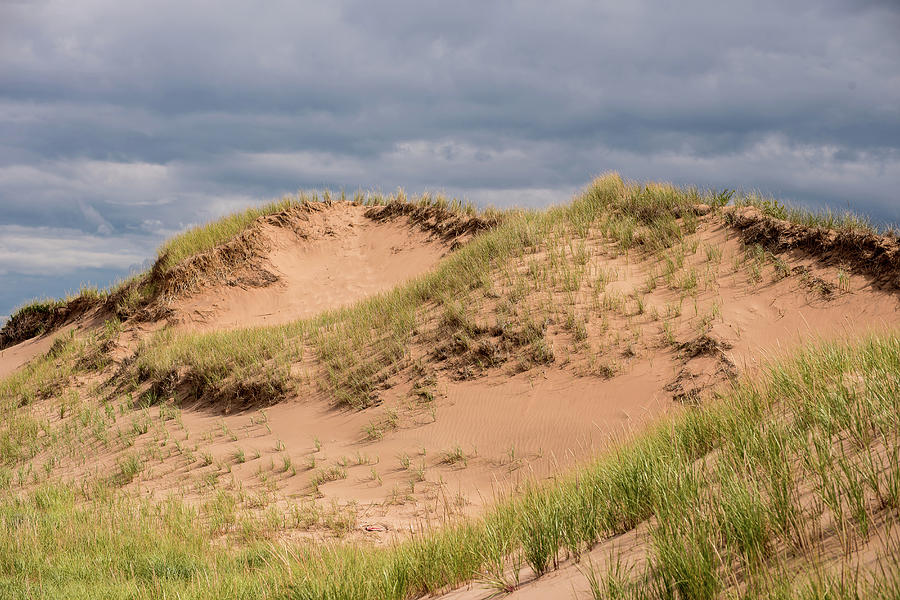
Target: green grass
(48,374)
(825,218)
(203,238)
(36,316)
(42,306)
(234,365)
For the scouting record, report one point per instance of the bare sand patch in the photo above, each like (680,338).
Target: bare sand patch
(339,257)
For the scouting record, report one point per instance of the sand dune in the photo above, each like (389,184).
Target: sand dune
(471,409)
(482,435)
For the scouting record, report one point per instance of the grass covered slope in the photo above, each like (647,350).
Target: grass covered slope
(787,486)
(782,483)
(204,238)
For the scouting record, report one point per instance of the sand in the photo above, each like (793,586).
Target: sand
(343,258)
(14,357)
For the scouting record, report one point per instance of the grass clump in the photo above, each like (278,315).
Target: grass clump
(826,219)
(243,366)
(40,316)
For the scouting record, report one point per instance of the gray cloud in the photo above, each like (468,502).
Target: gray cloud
(53,251)
(121,123)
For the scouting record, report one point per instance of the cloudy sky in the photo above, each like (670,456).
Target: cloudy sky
(123,122)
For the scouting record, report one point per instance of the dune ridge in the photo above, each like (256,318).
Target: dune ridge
(463,398)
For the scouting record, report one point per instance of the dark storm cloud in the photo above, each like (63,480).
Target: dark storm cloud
(123,122)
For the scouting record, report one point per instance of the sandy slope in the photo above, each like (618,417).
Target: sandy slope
(480,436)
(15,357)
(340,258)
(511,428)
(12,358)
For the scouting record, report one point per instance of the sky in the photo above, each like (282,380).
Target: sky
(122,123)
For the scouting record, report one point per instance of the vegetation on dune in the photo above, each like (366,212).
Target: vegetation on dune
(643,210)
(45,314)
(771,490)
(820,219)
(360,346)
(244,366)
(203,238)
(21,435)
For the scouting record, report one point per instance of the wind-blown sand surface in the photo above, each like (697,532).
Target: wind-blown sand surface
(341,257)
